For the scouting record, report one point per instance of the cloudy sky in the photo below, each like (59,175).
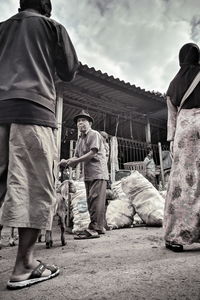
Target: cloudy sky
(134,40)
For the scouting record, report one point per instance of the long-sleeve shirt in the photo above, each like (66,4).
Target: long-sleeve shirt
(33,49)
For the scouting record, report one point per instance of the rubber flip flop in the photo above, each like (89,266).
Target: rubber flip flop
(173,246)
(139,225)
(35,277)
(86,234)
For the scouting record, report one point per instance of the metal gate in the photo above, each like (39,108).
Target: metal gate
(133,151)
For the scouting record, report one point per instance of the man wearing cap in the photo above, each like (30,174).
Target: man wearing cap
(34,50)
(91,151)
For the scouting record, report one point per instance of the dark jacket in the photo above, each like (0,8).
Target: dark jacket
(33,48)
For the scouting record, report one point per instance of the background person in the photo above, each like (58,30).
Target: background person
(150,167)
(33,49)
(91,151)
(106,145)
(182,207)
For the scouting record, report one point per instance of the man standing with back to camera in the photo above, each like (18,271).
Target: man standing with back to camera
(33,49)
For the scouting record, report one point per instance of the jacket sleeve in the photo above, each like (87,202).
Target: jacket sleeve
(66,59)
(171,121)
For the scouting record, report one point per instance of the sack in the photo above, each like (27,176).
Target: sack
(111,194)
(148,203)
(137,220)
(79,208)
(163,193)
(119,212)
(117,189)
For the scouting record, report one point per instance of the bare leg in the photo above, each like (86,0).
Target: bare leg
(40,236)
(48,239)
(25,263)
(11,239)
(62,230)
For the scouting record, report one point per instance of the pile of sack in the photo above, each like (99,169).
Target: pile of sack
(132,199)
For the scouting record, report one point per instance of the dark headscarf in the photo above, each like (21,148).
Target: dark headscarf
(42,6)
(189,57)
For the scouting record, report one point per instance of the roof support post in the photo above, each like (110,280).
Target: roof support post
(148,131)
(161,165)
(59,114)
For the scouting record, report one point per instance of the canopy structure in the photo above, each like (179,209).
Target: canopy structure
(119,108)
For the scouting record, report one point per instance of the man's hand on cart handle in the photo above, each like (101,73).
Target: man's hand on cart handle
(71,162)
(63,164)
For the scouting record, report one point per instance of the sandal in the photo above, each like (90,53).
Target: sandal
(35,277)
(174,246)
(86,234)
(102,231)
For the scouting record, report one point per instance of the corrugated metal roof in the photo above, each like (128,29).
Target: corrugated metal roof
(84,69)
(107,98)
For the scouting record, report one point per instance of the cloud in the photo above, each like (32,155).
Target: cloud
(136,41)
(195,28)
(8,8)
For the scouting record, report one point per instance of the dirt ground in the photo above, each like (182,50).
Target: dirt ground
(129,263)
